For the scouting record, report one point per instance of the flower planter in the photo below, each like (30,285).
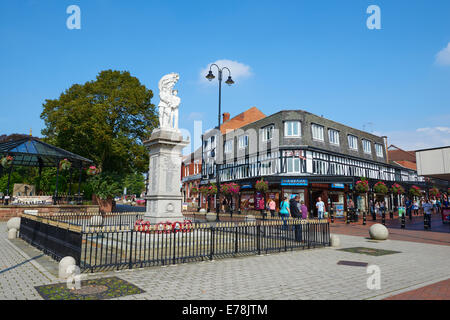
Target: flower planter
(105,205)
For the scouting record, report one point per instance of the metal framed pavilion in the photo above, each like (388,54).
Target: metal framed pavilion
(32,152)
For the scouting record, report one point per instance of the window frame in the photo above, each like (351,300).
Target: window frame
(331,130)
(299,128)
(356,142)
(318,126)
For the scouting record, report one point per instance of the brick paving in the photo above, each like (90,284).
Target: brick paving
(414,231)
(298,275)
(436,291)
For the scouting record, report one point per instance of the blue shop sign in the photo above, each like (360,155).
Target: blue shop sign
(246,186)
(294,182)
(338,185)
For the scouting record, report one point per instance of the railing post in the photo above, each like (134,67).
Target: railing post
(174,247)
(258,239)
(130,264)
(236,241)
(211,254)
(364,218)
(403,221)
(383,218)
(331,215)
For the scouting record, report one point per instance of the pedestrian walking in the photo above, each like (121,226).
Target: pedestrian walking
(284,212)
(271,206)
(304,210)
(427,210)
(320,208)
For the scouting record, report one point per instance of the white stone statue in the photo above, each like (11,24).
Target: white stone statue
(169,102)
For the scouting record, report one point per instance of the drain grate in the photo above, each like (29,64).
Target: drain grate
(369,251)
(353,263)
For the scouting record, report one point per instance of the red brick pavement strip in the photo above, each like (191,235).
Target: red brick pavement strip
(436,291)
(439,233)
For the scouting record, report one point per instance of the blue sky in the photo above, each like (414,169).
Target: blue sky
(313,55)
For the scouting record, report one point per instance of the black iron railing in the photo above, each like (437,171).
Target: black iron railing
(119,241)
(55,239)
(105,249)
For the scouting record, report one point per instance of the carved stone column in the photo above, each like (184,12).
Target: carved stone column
(164,196)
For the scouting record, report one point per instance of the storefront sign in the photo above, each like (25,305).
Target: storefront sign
(339,213)
(338,185)
(246,186)
(294,182)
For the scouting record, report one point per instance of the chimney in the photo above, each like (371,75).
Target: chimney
(226,117)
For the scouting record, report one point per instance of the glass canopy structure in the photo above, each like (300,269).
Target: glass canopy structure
(32,152)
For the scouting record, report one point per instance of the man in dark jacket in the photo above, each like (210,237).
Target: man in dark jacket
(296,214)
(293,206)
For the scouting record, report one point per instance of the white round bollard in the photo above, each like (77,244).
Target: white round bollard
(202,210)
(210,217)
(378,232)
(335,241)
(13,223)
(12,233)
(64,265)
(96,221)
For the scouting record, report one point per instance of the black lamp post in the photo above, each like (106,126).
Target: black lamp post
(229,81)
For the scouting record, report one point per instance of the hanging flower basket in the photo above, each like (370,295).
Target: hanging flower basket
(209,190)
(362,186)
(92,171)
(397,189)
(65,164)
(262,186)
(229,189)
(7,161)
(194,190)
(415,191)
(434,192)
(380,187)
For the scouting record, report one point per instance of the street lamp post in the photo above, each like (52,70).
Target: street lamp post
(229,81)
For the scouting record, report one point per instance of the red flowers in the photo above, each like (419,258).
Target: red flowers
(397,189)
(262,185)
(362,186)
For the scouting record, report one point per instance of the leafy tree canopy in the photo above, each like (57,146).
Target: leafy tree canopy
(105,120)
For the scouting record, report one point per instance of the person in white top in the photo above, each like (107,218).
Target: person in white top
(320,207)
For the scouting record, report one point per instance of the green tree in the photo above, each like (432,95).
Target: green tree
(105,120)
(135,183)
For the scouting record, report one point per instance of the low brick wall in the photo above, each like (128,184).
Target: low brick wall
(7,212)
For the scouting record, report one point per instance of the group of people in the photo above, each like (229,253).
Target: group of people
(414,206)
(295,208)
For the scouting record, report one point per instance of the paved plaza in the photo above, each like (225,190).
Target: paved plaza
(305,275)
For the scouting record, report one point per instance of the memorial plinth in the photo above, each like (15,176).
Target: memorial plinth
(164,192)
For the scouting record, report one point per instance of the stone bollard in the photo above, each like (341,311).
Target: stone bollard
(13,223)
(64,265)
(335,241)
(378,232)
(12,233)
(211,217)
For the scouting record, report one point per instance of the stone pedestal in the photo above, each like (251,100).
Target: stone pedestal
(164,188)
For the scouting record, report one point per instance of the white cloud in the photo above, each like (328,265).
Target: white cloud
(421,138)
(443,56)
(238,70)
